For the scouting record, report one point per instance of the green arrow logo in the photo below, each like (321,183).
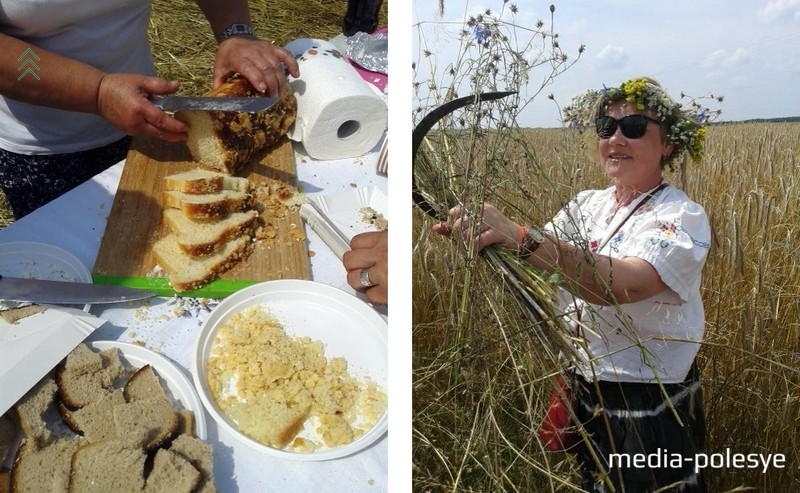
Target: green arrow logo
(29,56)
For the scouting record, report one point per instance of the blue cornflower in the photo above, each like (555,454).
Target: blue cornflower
(481,32)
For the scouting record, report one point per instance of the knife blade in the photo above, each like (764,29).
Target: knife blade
(238,105)
(66,292)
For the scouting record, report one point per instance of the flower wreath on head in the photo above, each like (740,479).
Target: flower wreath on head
(682,126)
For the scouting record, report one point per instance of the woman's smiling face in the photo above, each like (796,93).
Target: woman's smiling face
(632,162)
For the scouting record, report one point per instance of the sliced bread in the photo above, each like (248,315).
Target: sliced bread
(146,423)
(86,376)
(110,465)
(95,421)
(32,408)
(186,422)
(227,140)
(200,455)
(199,181)
(171,473)
(208,205)
(203,237)
(186,272)
(37,470)
(143,384)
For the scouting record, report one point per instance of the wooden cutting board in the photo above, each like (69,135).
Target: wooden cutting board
(135,222)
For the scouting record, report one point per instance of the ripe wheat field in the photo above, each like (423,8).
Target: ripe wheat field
(480,387)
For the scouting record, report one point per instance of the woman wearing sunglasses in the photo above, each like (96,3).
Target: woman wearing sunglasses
(631,257)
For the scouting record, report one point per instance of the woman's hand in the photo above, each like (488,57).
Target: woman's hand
(123,100)
(487,227)
(261,63)
(369,252)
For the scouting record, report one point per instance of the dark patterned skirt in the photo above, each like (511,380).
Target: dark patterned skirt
(639,442)
(30,181)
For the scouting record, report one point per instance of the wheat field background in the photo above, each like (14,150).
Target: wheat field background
(479,389)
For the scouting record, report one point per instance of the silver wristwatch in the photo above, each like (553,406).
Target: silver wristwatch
(236,30)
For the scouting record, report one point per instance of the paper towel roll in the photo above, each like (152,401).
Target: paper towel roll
(338,114)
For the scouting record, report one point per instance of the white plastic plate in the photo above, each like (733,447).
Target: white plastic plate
(346,210)
(32,260)
(180,387)
(347,327)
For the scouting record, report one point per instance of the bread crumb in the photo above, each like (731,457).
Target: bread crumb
(254,365)
(374,218)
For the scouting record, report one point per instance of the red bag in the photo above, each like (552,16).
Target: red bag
(557,431)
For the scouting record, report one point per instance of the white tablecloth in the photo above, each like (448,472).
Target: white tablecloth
(76,221)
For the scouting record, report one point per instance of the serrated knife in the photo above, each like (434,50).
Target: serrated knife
(200,103)
(66,292)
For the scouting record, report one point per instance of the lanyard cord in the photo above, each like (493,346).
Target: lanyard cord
(646,199)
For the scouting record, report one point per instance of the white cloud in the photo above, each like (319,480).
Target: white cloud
(725,58)
(776,9)
(612,57)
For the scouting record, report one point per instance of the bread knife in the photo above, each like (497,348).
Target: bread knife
(200,103)
(66,292)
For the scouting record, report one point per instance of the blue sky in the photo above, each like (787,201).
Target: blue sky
(746,50)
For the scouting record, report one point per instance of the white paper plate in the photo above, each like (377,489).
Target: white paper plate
(347,327)
(35,344)
(33,260)
(347,210)
(180,387)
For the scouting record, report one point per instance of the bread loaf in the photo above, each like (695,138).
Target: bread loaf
(227,140)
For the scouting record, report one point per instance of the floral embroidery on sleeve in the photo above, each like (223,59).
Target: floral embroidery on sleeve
(669,233)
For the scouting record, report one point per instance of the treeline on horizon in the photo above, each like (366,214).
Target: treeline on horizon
(784,119)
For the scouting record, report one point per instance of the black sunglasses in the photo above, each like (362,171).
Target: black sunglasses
(632,126)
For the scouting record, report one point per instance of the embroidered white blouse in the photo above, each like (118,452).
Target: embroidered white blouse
(654,339)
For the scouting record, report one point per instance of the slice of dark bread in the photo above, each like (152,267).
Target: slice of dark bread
(199,453)
(107,466)
(32,408)
(147,423)
(86,376)
(40,469)
(171,473)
